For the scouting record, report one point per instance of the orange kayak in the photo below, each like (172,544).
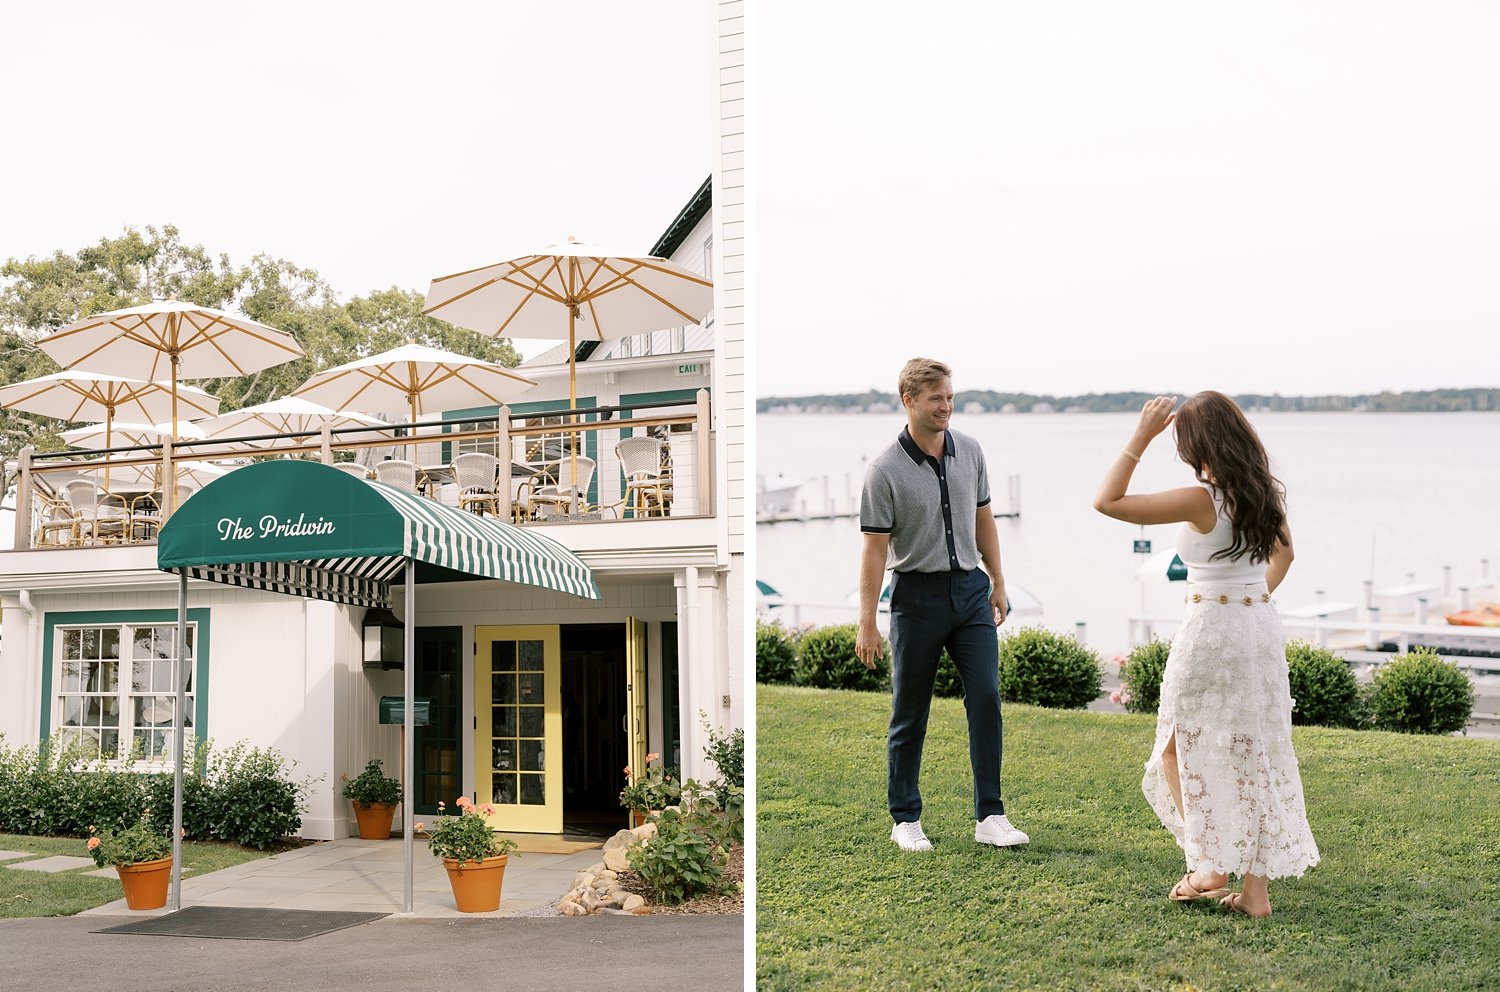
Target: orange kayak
(1483,615)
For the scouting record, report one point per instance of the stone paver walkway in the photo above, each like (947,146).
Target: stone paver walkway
(11,855)
(367,876)
(58,862)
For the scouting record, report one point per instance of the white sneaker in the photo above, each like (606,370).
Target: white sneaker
(909,836)
(996,829)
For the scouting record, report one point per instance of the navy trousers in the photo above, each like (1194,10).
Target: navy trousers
(931,611)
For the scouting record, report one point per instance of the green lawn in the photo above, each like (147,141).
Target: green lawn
(63,893)
(1407,896)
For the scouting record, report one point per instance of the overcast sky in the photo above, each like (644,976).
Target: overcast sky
(1067,197)
(380,143)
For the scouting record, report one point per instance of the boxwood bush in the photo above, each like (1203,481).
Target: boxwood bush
(243,795)
(775,653)
(1420,693)
(1044,668)
(1141,674)
(1325,691)
(826,660)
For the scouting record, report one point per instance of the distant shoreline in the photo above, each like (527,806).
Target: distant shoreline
(1483,400)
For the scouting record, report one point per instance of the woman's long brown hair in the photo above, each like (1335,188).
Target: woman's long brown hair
(1219,445)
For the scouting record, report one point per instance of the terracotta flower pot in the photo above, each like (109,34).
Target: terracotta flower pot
(476,884)
(374,820)
(145,883)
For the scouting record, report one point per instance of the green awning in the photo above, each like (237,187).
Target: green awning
(304,529)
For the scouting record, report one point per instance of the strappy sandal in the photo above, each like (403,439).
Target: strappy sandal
(1231,902)
(1195,894)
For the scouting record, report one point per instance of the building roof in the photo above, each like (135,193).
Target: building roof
(691,214)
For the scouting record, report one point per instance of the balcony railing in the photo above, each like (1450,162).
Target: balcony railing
(116,496)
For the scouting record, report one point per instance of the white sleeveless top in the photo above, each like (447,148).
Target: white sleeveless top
(1197,550)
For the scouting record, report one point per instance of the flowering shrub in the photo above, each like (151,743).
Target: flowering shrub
(372,786)
(678,861)
(726,752)
(1140,676)
(467,836)
(653,790)
(132,845)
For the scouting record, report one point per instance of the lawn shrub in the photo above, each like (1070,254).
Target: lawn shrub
(1141,674)
(775,653)
(1043,668)
(1420,693)
(1325,691)
(726,751)
(679,861)
(826,660)
(243,795)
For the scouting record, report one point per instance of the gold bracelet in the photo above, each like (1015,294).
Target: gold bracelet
(1127,454)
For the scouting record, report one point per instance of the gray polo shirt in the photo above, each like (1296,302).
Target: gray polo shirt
(926,505)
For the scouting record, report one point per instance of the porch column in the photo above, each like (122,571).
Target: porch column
(686,582)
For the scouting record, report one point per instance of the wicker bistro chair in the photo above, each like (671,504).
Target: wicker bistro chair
(354,469)
(477,475)
(562,495)
(640,461)
(401,474)
(144,517)
(96,521)
(57,527)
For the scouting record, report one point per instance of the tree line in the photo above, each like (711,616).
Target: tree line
(989,401)
(40,295)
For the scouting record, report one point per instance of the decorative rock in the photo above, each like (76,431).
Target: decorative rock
(617,860)
(641,911)
(572,909)
(632,901)
(645,831)
(606,873)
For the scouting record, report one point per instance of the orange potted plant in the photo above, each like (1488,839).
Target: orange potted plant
(474,857)
(374,795)
(142,858)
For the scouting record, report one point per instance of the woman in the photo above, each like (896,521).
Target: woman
(1222,776)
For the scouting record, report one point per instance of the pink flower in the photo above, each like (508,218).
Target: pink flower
(463,802)
(1114,697)
(627,771)
(652,757)
(93,843)
(1125,698)
(487,809)
(421,828)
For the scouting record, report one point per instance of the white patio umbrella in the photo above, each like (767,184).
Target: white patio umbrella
(78,395)
(420,378)
(1163,565)
(288,415)
(167,339)
(574,291)
(126,433)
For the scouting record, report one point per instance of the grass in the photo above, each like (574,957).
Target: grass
(1405,898)
(63,893)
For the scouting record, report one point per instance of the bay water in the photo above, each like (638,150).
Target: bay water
(1369,496)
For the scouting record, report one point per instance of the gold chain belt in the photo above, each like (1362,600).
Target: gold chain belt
(1265,597)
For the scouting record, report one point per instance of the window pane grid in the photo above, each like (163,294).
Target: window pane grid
(94,687)
(518,723)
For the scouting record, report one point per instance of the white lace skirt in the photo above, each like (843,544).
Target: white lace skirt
(1225,694)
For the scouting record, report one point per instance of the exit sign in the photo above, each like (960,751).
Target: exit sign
(687,369)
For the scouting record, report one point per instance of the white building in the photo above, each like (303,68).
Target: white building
(527,687)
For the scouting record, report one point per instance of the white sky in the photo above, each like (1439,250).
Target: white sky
(1067,197)
(380,143)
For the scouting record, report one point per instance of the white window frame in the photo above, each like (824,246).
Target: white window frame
(74,676)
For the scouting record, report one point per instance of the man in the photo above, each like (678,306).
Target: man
(925,513)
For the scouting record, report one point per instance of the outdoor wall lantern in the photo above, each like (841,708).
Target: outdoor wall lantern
(385,639)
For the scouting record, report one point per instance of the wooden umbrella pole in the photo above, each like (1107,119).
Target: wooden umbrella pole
(573,393)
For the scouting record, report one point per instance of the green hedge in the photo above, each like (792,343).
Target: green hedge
(826,660)
(1044,668)
(1140,676)
(1325,692)
(1420,693)
(775,653)
(243,795)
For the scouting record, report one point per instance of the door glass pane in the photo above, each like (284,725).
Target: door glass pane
(531,656)
(533,756)
(503,689)
(532,721)
(505,721)
(504,756)
(503,656)
(531,687)
(504,789)
(533,791)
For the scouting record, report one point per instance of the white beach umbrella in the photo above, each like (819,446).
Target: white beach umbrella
(1163,565)
(288,415)
(572,291)
(124,433)
(420,378)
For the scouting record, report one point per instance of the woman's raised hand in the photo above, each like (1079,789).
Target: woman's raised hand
(1155,416)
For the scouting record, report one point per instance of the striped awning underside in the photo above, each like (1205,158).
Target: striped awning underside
(352,581)
(465,542)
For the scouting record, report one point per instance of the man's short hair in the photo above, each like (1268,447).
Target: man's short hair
(919,372)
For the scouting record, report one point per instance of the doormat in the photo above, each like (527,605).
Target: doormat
(244,923)
(548,844)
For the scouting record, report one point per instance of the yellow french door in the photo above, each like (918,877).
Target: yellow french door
(635,690)
(518,726)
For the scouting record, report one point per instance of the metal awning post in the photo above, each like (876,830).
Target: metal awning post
(174,903)
(408,735)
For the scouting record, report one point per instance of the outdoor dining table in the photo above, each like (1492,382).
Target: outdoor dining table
(520,472)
